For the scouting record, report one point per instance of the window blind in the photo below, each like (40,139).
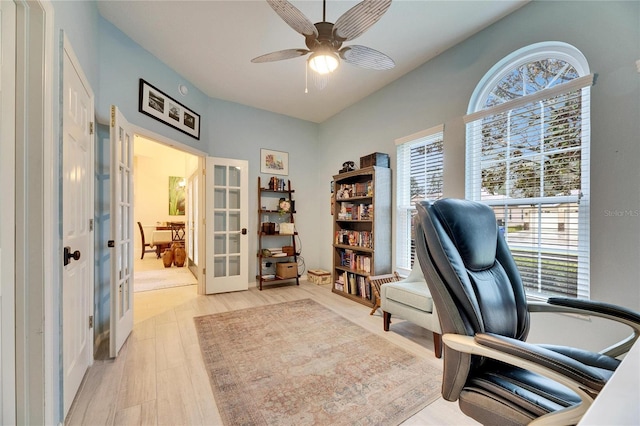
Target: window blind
(528,159)
(419,177)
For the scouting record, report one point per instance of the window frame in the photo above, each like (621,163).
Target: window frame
(473,183)
(405,208)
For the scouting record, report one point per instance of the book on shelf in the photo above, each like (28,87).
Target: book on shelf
(350,211)
(350,259)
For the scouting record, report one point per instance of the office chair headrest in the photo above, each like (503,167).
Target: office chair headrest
(472,228)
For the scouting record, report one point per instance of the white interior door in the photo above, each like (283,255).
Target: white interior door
(77,235)
(121,241)
(226,225)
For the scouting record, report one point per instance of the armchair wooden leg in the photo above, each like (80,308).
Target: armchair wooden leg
(437,344)
(386,320)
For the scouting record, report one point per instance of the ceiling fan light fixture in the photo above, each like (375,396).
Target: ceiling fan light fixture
(323,62)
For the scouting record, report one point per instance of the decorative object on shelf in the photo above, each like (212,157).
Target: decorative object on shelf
(274,162)
(347,166)
(284,206)
(284,254)
(287,228)
(288,250)
(158,105)
(361,226)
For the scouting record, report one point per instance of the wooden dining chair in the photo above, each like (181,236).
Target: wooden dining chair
(177,232)
(144,243)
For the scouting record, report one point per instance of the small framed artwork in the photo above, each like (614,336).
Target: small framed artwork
(274,162)
(158,105)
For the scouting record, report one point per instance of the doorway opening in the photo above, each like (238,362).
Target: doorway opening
(165,210)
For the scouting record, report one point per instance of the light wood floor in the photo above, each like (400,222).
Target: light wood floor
(159,378)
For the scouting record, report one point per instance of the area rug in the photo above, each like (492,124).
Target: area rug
(162,278)
(300,363)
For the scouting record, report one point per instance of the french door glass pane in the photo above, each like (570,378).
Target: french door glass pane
(234,177)
(234,265)
(234,243)
(220,244)
(220,221)
(220,198)
(234,221)
(220,176)
(220,267)
(234,198)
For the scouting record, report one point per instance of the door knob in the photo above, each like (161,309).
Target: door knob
(244,231)
(68,255)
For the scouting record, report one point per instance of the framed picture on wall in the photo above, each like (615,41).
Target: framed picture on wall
(274,162)
(164,108)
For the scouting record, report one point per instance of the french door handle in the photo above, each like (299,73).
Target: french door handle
(244,231)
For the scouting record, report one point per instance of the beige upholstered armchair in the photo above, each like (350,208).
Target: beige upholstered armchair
(409,299)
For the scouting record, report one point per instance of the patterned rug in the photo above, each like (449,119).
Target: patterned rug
(162,278)
(300,363)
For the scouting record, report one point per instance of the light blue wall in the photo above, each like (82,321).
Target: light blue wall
(608,33)
(238,131)
(122,63)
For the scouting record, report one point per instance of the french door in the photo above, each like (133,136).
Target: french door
(121,242)
(226,225)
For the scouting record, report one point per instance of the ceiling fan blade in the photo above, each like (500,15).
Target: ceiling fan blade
(280,55)
(359,18)
(366,57)
(292,16)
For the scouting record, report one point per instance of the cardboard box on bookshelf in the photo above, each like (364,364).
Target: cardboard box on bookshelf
(319,276)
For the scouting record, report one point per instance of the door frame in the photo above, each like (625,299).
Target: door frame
(7,216)
(148,134)
(37,237)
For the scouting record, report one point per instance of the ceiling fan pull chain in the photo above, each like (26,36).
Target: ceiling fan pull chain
(306,73)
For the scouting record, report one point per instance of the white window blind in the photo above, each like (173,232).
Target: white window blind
(419,177)
(528,158)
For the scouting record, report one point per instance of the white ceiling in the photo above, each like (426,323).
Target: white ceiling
(211,44)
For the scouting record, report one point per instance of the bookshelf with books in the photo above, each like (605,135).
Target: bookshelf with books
(361,230)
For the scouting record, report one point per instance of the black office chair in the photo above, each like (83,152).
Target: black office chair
(145,244)
(494,374)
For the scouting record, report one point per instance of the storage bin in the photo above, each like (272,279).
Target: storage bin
(319,276)
(287,270)
(376,159)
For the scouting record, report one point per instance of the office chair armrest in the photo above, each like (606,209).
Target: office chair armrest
(598,309)
(560,371)
(557,362)
(605,310)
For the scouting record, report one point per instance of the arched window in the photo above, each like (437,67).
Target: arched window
(528,157)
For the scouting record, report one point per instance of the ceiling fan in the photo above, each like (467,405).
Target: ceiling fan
(324,39)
